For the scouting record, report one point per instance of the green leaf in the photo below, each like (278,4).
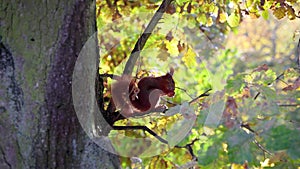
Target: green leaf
(235,84)
(240,154)
(202,18)
(207,154)
(239,149)
(291,73)
(268,92)
(233,20)
(265,14)
(181,2)
(283,138)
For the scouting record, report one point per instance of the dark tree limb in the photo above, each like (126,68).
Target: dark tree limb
(139,45)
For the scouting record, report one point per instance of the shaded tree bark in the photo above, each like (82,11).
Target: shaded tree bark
(39,48)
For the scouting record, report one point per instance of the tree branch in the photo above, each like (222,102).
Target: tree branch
(139,45)
(201,95)
(145,128)
(298,54)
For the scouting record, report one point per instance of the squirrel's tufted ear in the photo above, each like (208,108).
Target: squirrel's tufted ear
(171,71)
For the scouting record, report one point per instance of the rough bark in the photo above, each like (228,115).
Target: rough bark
(38,124)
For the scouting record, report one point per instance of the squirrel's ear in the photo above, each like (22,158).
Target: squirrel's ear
(171,71)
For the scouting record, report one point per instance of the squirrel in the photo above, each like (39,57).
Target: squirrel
(142,97)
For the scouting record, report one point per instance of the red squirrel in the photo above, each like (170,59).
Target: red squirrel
(142,97)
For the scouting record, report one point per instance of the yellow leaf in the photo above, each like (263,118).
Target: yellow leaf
(172,47)
(292,1)
(233,20)
(237,166)
(279,13)
(222,17)
(189,58)
(291,12)
(163,55)
(209,22)
(254,15)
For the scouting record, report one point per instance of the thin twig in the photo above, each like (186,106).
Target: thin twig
(107,75)
(167,101)
(288,105)
(246,125)
(261,147)
(298,53)
(184,91)
(277,78)
(189,148)
(201,95)
(145,128)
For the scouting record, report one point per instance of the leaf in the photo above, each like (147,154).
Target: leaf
(292,1)
(163,55)
(158,162)
(172,47)
(180,46)
(209,21)
(215,114)
(181,2)
(288,88)
(283,138)
(268,92)
(279,13)
(265,14)
(231,107)
(222,17)
(254,15)
(240,154)
(238,166)
(189,58)
(290,12)
(260,68)
(171,9)
(173,110)
(202,18)
(249,2)
(187,111)
(235,84)
(278,156)
(233,20)
(169,36)
(239,149)
(207,154)
(181,127)
(297,83)
(290,73)
(246,92)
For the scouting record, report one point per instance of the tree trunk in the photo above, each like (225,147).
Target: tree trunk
(38,125)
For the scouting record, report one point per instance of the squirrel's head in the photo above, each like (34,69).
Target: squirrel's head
(168,83)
